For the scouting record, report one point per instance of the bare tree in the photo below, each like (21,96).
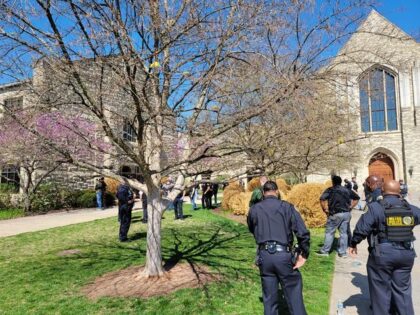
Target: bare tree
(167,72)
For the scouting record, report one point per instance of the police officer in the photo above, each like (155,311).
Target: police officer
(391,221)
(125,198)
(373,189)
(336,202)
(273,223)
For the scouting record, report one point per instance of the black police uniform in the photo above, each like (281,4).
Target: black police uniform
(273,223)
(391,257)
(125,208)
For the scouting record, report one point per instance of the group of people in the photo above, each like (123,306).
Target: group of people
(126,198)
(387,225)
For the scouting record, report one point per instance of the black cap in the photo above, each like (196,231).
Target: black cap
(270,186)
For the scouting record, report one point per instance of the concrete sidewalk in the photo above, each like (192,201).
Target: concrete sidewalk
(56,219)
(350,279)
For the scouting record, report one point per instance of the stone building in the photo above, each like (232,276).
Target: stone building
(379,76)
(51,89)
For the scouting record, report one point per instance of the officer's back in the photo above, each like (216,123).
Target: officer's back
(271,220)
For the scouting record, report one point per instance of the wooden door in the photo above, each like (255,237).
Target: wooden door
(381,165)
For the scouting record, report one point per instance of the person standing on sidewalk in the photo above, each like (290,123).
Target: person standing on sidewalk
(337,202)
(100,189)
(391,258)
(274,223)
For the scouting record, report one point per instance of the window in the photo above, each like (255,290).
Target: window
(129,134)
(13,103)
(378,109)
(10,176)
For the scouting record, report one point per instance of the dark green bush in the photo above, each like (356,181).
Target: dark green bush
(86,199)
(8,188)
(47,198)
(4,200)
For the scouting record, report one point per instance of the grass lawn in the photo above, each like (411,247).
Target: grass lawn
(35,280)
(6,214)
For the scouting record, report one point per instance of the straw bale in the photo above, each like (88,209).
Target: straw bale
(328,183)
(253,184)
(305,197)
(111,185)
(232,189)
(239,203)
(282,185)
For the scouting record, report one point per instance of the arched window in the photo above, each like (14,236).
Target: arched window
(378,107)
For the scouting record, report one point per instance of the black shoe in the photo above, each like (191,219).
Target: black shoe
(124,240)
(143,221)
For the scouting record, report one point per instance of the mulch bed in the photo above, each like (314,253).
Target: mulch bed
(131,282)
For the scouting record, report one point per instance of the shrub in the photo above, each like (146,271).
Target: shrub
(5,200)
(111,185)
(86,199)
(8,188)
(47,197)
(305,197)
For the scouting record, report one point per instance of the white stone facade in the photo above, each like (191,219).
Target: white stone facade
(379,44)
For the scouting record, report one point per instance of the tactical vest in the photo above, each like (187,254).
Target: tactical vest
(399,222)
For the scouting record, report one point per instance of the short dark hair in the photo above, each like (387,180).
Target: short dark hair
(336,180)
(270,186)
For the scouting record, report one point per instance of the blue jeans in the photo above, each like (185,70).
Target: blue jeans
(99,200)
(193,199)
(341,222)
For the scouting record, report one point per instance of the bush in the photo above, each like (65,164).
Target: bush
(8,188)
(305,197)
(87,199)
(5,201)
(47,197)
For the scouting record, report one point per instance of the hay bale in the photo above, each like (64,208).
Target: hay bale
(305,197)
(253,184)
(239,203)
(232,189)
(111,185)
(282,185)
(328,183)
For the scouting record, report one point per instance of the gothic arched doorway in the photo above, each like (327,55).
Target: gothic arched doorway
(381,165)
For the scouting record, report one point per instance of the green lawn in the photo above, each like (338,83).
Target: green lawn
(35,280)
(6,214)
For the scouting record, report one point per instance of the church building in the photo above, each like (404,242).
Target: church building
(379,69)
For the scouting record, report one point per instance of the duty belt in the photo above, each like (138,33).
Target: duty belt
(406,245)
(273,247)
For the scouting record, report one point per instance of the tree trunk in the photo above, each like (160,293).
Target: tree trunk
(154,267)
(27,204)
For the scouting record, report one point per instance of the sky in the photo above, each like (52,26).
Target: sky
(403,13)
